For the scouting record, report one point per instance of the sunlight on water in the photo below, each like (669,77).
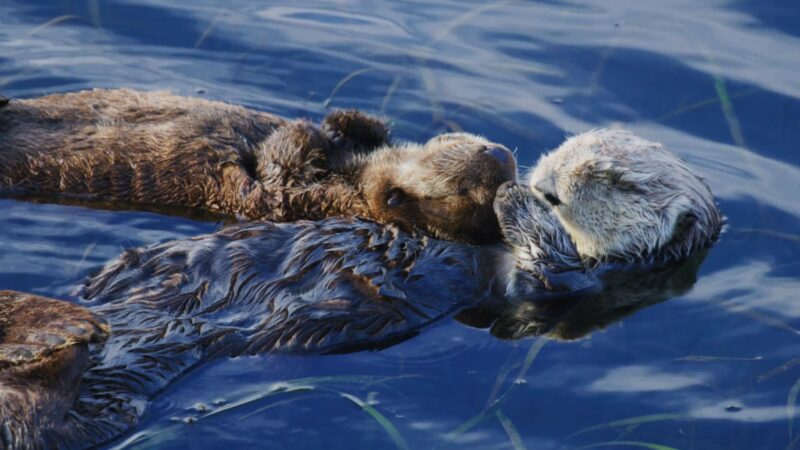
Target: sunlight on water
(715,81)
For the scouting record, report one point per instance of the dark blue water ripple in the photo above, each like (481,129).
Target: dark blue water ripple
(715,81)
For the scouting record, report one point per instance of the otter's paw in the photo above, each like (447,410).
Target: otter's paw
(356,131)
(3,101)
(32,327)
(523,218)
(294,154)
(546,263)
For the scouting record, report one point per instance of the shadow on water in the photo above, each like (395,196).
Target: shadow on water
(568,319)
(715,367)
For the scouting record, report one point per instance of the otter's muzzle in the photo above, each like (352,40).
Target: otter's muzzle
(504,157)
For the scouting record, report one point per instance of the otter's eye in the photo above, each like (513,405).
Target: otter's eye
(395,197)
(552,199)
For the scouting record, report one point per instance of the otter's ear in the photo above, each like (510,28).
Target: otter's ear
(684,238)
(614,176)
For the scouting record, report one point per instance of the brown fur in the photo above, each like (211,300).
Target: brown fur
(448,184)
(158,149)
(44,351)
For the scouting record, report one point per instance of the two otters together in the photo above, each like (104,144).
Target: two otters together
(77,375)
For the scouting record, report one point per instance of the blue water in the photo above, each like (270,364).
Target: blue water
(716,81)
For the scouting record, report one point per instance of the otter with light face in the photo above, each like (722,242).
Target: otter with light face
(155,149)
(623,198)
(340,284)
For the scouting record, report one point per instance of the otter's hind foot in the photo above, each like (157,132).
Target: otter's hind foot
(355,131)
(44,354)
(32,328)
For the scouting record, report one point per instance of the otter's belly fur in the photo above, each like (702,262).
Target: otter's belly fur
(156,150)
(306,287)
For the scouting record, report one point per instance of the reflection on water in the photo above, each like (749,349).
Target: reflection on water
(716,81)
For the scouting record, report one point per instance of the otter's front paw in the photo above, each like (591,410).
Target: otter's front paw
(545,259)
(522,216)
(354,130)
(3,101)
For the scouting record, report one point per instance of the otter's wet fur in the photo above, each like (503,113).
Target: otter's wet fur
(624,199)
(339,285)
(44,352)
(305,287)
(157,149)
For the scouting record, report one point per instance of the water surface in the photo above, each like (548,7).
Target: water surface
(716,81)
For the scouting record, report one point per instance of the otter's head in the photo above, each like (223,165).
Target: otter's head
(621,197)
(445,187)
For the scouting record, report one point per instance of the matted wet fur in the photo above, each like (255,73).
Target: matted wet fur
(306,287)
(44,352)
(338,285)
(316,287)
(159,149)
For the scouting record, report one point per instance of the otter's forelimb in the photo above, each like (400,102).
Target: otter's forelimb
(546,262)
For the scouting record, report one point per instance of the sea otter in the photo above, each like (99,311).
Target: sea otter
(158,149)
(308,287)
(625,199)
(304,287)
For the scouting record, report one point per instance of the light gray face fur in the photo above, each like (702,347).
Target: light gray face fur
(622,197)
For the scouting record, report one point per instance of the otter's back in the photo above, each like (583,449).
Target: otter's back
(124,145)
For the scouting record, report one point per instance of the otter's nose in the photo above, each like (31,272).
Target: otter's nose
(503,156)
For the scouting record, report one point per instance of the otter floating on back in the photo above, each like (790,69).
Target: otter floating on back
(158,150)
(334,285)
